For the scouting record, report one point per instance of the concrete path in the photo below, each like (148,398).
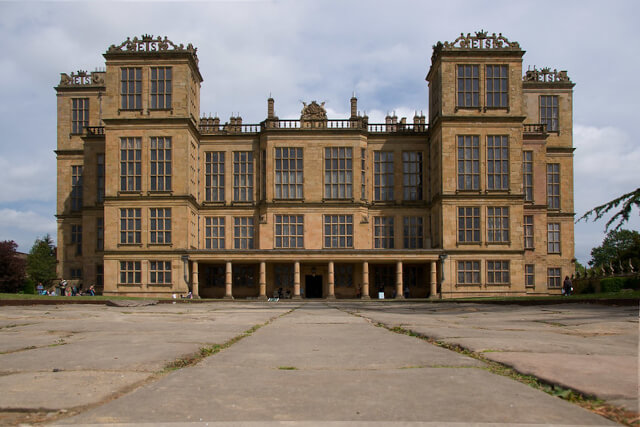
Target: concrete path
(322,365)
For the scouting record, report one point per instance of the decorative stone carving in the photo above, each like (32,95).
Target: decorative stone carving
(147,43)
(481,40)
(313,111)
(546,75)
(82,78)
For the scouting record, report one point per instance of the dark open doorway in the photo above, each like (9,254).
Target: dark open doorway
(313,286)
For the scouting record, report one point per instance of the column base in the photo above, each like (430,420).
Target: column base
(365,297)
(399,297)
(262,298)
(331,297)
(228,297)
(296,297)
(436,296)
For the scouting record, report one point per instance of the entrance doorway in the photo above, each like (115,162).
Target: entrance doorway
(313,286)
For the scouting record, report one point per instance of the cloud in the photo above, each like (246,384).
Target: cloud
(24,226)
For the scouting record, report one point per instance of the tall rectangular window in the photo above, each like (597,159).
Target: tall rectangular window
(529,275)
(160,272)
(263,175)
(243,176)
(468,86)
(100,179)
(469,225)
(413,232)
(338,231)
(160,225)
(497,224)
(243,232)
(214,232)
(528,231)
(160,164)
(553,185)
(99,276)
(244,275)
(100,234)
(468,272)
(383,175)
(130,164)
(131,88)
(160,88)
(214,176)
(289,232)
(497,162)
(283,274)
(130,273)
(497,85)
(383,232)
(553,238)
(498,273)
(130,226)
(338,173)
(468,162)
(554,277)
(289,173)
(549,112)
(76,238)
(79,114)
(76,188)
(412,175)
(343,275)
(527,175)
(363,174)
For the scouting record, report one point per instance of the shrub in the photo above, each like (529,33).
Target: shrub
(612,284)
(29,287)
(632,283)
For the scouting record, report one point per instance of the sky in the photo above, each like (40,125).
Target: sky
(317,50)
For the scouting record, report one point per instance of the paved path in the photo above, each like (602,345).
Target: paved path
(320,364)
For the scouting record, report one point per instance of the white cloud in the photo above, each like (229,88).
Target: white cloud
(24,226)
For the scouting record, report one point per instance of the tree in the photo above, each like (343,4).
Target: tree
(11,267)
(617,247)
(41,262)
(628,201)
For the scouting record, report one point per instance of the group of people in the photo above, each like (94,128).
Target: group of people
(67,290)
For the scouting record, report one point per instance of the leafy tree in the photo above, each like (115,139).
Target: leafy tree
(617,247)
(628,201)
(41,262)
(11,267)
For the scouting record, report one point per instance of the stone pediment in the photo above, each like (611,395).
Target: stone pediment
(313,111)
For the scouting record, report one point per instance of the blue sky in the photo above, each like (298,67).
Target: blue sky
(322,50)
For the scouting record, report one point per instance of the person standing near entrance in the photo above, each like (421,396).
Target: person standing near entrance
(567,286)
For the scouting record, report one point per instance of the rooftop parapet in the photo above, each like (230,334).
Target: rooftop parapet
(148,44)
(481,41)
(546,75)
(82,78)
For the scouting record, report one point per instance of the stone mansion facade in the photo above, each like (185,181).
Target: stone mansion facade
(154,199)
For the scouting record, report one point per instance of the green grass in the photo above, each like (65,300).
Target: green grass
(602,295)
(287,368)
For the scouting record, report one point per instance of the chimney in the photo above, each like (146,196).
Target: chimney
(354,107)
(270,110)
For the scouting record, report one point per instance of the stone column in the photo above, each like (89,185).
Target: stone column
(365,280)
(263,281)
(399,289)
(332,294)
(194,280)
(228,282)
(433,284)
(296,280)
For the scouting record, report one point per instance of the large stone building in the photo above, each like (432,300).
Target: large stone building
(154,199)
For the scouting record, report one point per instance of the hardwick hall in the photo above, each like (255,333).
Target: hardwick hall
(476,200)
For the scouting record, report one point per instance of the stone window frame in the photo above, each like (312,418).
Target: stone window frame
(289,167)
(76,187)
(130,273)
(467,86)
(412,172)
(243,172)
(337,231)
(497,163)
(100,234)
(288,231)
(130,226)
(130,164)
(528,228)
(527,175)
(76,238)
(100,181)
(502,92)
(468,272)
(283,276)
(159,226)
(338,173)
(553,186)
(79,115)
(529,275)
(160,88)
(160,273)
(131,88)
(383,176)
(553,238)
(214,232)
(383,232)
(498,272)
(469,222)
(243,232)
(244,275)
(214,176)
(413,232)
(468,159)
(160,163)
(363,173)
(549,112)
(498,224)
(554,277)
(343,275)
(76,273)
